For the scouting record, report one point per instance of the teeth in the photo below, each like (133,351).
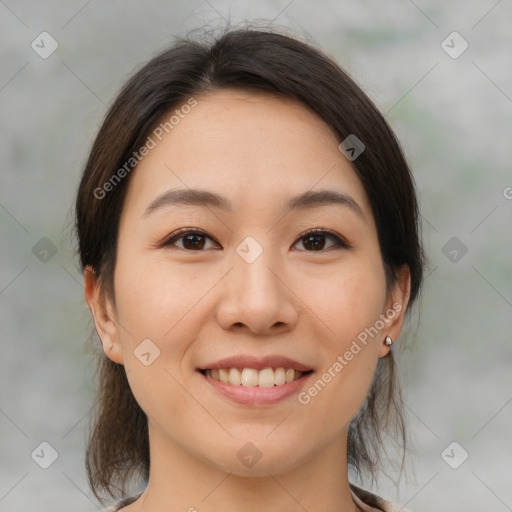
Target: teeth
(265,378)
(249,377)
(235,377)
(279,376)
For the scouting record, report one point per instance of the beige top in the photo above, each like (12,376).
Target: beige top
(365,500)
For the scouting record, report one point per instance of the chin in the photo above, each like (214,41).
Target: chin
(255,460)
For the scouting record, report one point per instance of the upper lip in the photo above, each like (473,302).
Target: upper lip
(258,363)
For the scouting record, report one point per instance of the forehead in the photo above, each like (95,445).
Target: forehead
(253,147)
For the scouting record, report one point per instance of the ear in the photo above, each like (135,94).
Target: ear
(396,306)
(104,316)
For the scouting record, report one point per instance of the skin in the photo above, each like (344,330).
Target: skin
(200,305)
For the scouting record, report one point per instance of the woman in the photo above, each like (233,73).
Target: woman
(248,234)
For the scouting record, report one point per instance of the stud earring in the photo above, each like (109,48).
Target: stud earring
(388,341)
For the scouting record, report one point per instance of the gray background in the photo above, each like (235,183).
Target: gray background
(453,117)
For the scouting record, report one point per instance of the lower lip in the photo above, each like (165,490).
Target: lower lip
(254,395)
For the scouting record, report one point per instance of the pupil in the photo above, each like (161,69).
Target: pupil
(316,244)
(194,244)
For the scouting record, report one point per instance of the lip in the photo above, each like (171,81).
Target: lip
(258,363)
(254,395)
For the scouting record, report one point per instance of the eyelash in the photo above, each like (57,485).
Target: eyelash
(340,242)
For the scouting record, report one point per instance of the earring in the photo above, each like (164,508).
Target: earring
(388,341)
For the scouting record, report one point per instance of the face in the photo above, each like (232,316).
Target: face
(266,276)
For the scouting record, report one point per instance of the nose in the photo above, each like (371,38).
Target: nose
(257,297)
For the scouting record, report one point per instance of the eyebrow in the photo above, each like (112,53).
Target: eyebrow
(205,198)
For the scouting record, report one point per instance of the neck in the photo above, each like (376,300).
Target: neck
(181,482)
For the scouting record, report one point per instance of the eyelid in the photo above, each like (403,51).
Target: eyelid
(180,233)
(340,241)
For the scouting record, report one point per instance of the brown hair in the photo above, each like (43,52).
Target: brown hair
(255,60)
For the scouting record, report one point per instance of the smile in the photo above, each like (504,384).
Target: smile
(265,378)
(250,386)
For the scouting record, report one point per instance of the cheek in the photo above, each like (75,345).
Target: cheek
(163,302)
(347,300)
(156,298)
(349,304)
(155,308)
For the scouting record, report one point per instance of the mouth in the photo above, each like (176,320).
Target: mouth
(252,377)
(255,387)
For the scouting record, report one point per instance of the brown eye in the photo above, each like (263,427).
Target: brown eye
(315,240)
(312,241)
(192,240)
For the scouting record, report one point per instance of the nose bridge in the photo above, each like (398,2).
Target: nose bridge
(252,275)
(255,296)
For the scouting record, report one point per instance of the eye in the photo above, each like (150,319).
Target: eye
(314,240)
(193,239)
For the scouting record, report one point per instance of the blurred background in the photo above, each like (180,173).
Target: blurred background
(437,70)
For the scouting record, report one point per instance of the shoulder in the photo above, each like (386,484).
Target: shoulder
(123,503)
(370,502)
